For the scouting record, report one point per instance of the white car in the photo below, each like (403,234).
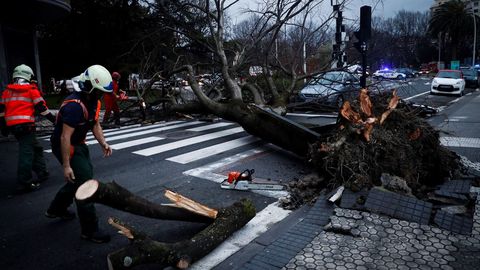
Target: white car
(448,82)
(389,74)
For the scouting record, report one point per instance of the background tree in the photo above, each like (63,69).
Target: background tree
(454,21)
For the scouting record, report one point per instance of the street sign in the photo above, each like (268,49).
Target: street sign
(455,65)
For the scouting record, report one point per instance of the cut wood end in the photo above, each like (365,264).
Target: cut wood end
(86,190)
(190,205)
(121,229)
(183,263)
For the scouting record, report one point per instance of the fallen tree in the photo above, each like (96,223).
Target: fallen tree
(373,137)
(144,250)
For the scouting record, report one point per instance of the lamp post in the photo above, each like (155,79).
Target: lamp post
(474,38)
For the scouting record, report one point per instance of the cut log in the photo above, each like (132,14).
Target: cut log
(115,196)
(190,205)
(144,250)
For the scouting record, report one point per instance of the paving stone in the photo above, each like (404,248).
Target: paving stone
(458,186)
(454,223)
(452,195)
(349,199)
(398,206)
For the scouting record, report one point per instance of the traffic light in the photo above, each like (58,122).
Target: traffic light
(363,35)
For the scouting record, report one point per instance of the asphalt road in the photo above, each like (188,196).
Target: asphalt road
(148,160)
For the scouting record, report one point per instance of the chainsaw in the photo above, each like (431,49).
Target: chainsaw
(245,181)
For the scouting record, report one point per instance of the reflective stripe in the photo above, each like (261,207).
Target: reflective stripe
(45,112)
(38,100)
(19,117)
(18,99)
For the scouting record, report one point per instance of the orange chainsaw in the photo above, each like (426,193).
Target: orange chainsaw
(245,181)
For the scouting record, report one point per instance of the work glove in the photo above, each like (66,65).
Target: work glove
(3,127)
(5,131)
(50,117)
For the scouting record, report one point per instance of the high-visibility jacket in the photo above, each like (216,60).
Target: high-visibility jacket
(19,102)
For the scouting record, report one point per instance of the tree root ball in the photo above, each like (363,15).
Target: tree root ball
(405,145)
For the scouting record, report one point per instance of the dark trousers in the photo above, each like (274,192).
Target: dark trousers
(30,155)
(83,171)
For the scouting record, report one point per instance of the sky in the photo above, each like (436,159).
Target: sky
(388,9)
(391,7)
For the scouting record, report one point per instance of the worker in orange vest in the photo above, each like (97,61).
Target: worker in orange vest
(110,100)
(18,104)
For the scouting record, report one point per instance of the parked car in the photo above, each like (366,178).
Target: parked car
(470,76)
(407,71)
(448,82)
(388,74)
(330,88)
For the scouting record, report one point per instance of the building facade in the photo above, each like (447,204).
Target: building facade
(18,33)
(473,4)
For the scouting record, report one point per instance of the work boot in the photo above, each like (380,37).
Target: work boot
(26,188)
(42,177)
(65,215)
(98,237)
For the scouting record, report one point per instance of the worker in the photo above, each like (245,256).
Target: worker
(78,115)
(18,104)
(110,100)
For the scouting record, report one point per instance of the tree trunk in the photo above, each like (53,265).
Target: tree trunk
(271,127)
(144,250)
(115,196)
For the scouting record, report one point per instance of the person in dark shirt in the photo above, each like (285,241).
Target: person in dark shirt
(77,116)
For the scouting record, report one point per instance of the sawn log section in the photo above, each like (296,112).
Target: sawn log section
(142,249)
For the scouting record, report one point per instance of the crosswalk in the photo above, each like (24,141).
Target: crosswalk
(154,139)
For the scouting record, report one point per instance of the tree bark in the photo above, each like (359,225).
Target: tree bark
(144,250)
(115,196)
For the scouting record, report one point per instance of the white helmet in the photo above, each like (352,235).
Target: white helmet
(95,77)
(23,71)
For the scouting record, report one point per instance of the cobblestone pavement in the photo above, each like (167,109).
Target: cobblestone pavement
(361,240)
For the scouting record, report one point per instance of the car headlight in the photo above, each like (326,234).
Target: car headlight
(458,83)
(434,81)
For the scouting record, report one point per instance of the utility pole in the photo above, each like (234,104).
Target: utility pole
(363,35)
(474,38)
(339,59)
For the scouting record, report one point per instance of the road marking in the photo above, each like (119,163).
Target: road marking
(334,115)
(212,126)
(467,162)
(136,129)
(123,145)
(421,94)
(255,227)
(460,142)
(207,171)
(213,150)
(144,132)
(178,144)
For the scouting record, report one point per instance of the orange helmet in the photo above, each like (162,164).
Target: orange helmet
(116,76)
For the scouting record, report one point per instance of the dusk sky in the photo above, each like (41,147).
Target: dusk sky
(388,9)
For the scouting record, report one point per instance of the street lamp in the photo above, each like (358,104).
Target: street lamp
(474,37)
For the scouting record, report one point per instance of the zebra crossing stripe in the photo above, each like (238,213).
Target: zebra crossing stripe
(123,145)
(460,142)
(144,132)
(212,150)
(217,125)
(122,131)
(178,144)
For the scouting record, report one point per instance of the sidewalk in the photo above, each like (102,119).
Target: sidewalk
(390,231)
